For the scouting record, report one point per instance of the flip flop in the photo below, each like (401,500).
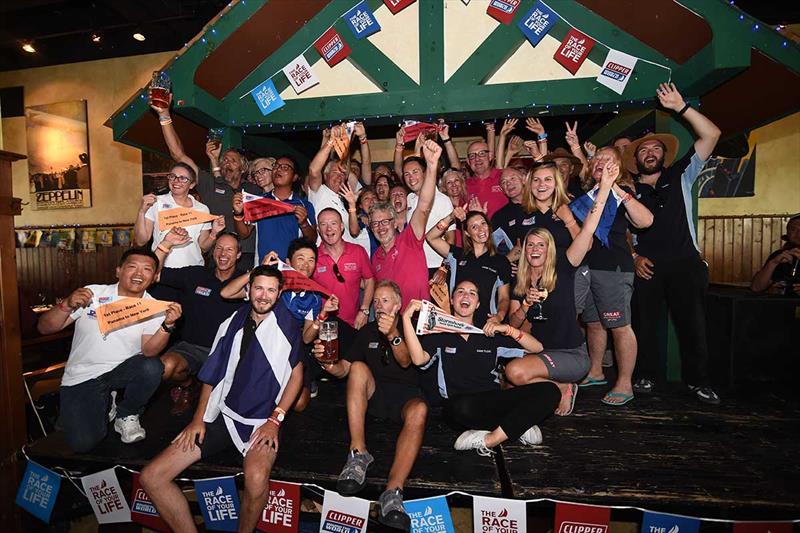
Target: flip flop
(625,398)
(591,382)
(573,392)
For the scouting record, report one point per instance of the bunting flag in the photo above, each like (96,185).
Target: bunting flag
(258,207)
(434,320)
(300,75)
(38,491)
(332,47)
(361,20)
(295,281)
(573,50)
(267,97)
(343,515)
(182,217)
(581,206)
(430,515)
(498,515)
(143,511)
(127,311)
(105,497)
(571,518)
(105,236)
(616,71)
(219,503)
(652,522)
(503,10)
(122,236)
(413,128)
(282,512)
(396,6)
(538,22)
(763,527)
(341,141)
(441,295)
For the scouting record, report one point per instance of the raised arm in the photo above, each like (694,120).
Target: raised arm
(317,164)
(574,143)
(143,228)
(505,130)
(434,236)
(58,317)
(418,356)
(244,230)
(707,132)
(534,125)
(366,157)
(512,149)
(207,238)
(447,141)
(352,213)
(583,241)
(491,139)
(432,151)
(174,144)
(399,146)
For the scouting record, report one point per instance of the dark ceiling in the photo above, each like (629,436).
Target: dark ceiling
(61,29)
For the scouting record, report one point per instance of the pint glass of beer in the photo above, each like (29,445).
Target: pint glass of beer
(159,90)
(329,335)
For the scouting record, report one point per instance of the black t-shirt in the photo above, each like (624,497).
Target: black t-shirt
(783,272)
(490,272)
(371,347)
(218,196)
(560,331)
(509,218)
(574,188)
(549,221)
(671,202)
(467,366)
(617,255)
(203,308)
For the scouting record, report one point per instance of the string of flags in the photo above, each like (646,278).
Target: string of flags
(72,238)
(615,72)
(219,504)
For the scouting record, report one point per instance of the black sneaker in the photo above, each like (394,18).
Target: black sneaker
(354,474)
(705,395)
(643,386)
(391,510)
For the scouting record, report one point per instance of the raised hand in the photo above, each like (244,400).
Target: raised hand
(412,307)
(514,145)
(218,226)
(161,111)
(572,135)
(432,151)
(475,205)
(178,236)
(669,97)
(533,149)
(399,137)
(270,259)
(78,298)
(172,314)
(213,150)
(489,127)
(508,126)
(301,214)
(460,212)
(610,174)
(590,148)
(443,129)
(238,203)
(147,202)
(360,130)
(534,125)
(348,194)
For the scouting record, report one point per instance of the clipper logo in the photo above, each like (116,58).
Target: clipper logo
(333,46)
(615,71)
(106,498)
(338,522)
(202,291)
(498,522)
(580,527)
(143,504)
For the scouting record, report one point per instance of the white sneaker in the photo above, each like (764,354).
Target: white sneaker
(112,413)
(129,429)
(532,437)
(473,439)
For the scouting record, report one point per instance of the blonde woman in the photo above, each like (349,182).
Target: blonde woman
(544,296)
(261,171)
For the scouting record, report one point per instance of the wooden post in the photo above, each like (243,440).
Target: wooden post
(12,398)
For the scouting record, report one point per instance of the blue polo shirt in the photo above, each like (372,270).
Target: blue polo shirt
(275,233)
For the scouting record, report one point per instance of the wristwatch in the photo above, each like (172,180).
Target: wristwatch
(365,310)
(168,329)
(279,416)
(396,340)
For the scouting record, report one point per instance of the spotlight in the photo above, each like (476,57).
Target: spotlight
(96,37)
(28,47)
(139,36)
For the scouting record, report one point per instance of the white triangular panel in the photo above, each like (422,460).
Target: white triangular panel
(341,80)
(399,38)
(465,28)
(530,63)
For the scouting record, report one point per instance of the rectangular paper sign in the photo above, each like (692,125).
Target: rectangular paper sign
(616,71)
(571,517)
(282,512)
(652,522)
(300,74)
(430,515)
(573,50)
(396,6)
(498,515)
(143,511)
(502,10)
(537,22)
(343,515)
(362,21)
(332,47)
(182,217)
(219,503)
(38,491)
(105,496)
(127,311)
(267,97)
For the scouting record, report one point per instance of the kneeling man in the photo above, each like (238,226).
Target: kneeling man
(252,371)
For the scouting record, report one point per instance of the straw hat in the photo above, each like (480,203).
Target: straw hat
(562,153)
(669,141)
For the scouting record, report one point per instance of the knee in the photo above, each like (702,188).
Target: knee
(256,481)
(517,373)
(150,369)
(359,371)
(416,411)
(83,441)
(594,326)
(150,477)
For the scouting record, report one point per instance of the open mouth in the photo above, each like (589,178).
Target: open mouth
(137,280)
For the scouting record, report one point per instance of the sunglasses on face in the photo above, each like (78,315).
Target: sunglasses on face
(476,155)
(179,179)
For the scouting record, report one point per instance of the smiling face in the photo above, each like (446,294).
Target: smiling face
(535,251)
(385,301)
(453,184)
(226,253)
(650,157)
(335,175)
(262,173)
(601,159)
(381,222)
(136,274)
(367,199)
(264,292)
(477,228)
(179,181)
(565,166)
(330,227)
(511,181)
(382,188)
(543,184)
(304,261)
(465,299)
(478,158)
(413,174)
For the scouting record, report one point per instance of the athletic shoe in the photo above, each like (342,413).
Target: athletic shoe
(129,429)
(353,476)
(473,439)
(705,395)
(313,389)
(112,413)
(532,437)
(643,386)
(392,513)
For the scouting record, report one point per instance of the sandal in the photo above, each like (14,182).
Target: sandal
(623,398)
(572,393)
(591,382)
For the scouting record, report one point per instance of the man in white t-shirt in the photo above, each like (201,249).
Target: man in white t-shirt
(413,174)
(125,359)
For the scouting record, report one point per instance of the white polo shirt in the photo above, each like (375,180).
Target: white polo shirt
(188,254)
(325,198)
(92,354)
(442,206)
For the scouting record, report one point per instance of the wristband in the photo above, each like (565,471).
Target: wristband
(441,227)
(634,255)
(518,336)
(281,411)
(682,111)
(542,136)
(447,140)
(215,169)
(274,421)
(167,328)
(165,122)
(626,198)
(163,248)
(323,316)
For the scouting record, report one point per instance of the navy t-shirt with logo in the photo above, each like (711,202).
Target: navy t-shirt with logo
(549,221)
(617,255)
(203,307)
(373,348)
(490,272)
(509,219)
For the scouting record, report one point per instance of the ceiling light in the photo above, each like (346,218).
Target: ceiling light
(28,47)
(139,36)
(96,37)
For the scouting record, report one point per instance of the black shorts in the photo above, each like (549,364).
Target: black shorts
(194,354)
(389,400)
(217,439)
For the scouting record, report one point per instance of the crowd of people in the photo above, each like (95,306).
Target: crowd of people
(555,257)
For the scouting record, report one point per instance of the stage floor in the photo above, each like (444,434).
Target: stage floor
(663,452)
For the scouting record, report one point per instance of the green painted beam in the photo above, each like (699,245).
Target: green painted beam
(618,125)
(374,64)
(431,44)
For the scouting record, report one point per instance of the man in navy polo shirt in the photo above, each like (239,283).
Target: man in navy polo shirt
(273,234)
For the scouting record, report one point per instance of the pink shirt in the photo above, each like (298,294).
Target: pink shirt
(353,265)
(488,191)
(405,265)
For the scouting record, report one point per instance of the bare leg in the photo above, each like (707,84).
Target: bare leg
(597,338)
(360,388)
(157,480)
(495,437)
(531,369)
(257,468)
(408,442)
(625,343)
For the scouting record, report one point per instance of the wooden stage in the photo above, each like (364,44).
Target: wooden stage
(664,452)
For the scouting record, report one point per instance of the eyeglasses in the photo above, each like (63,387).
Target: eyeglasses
(337,273)
(476,155)
(380,223)
(262,170)
(283,166)
(180,179)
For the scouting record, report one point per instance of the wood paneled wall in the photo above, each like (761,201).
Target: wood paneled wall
(737,246)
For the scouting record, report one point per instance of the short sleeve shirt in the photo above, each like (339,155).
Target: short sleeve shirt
(325,198)
(93,354)
(549,221)
(353,266)
(218,196)
(275,233)
(188,254)
(488,191)
(490,272)
(404,264)
(373,348)
(617,255)
(442,206)
(509,219)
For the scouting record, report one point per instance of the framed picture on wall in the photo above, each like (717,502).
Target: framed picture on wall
(59,172)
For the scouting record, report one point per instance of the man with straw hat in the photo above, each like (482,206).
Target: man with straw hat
(570,167)
(669,268)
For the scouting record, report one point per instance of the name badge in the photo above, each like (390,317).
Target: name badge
(322,270)
(202,291)
(449,349)
(350,267)
(103,299)
(373,346)
(219,191)
(462,263)
(512,222)
(166,206)
(529,221)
